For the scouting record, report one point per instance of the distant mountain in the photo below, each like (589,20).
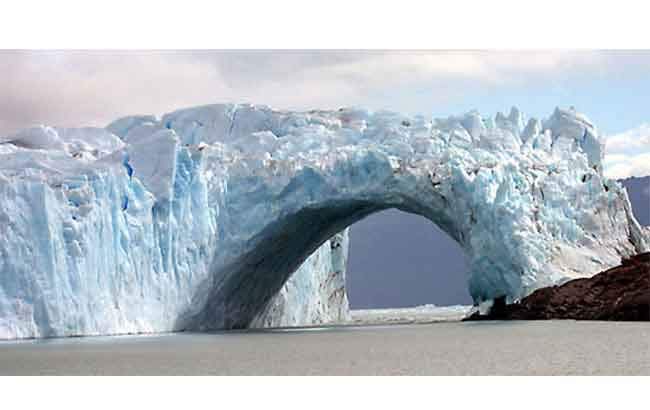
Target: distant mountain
(638,189)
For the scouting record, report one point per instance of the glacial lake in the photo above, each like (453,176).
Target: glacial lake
(451,348)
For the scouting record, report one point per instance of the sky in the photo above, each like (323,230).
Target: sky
(79,88)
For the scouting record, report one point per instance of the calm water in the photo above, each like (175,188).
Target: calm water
(545,348)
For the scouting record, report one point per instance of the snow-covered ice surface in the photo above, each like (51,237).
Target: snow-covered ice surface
(199,219)
(416,314)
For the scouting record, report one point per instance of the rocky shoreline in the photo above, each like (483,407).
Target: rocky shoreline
(619,293)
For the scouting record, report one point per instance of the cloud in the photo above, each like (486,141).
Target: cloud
(485,66)
(631,166)
(628,153)
(630,142)
(80,88)
(73,88)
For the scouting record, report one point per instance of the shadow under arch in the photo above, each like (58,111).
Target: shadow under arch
(248,284)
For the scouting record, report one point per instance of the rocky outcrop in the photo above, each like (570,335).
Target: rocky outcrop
(619,293)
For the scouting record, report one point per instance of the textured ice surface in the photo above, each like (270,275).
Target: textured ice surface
(199,219)
(315,293)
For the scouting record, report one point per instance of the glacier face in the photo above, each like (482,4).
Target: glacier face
(198,220)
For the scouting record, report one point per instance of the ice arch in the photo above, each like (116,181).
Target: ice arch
(528,204)
(198,220)
(249,283)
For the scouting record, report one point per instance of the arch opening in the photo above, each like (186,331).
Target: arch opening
(402,260)
(247,285)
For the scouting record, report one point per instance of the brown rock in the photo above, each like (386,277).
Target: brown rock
(619,293)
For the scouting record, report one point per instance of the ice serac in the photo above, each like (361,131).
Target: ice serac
(230,216)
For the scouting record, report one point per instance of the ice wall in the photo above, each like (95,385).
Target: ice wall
(315,293)
(198,220)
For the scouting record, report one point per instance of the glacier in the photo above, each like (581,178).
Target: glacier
(236,215)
